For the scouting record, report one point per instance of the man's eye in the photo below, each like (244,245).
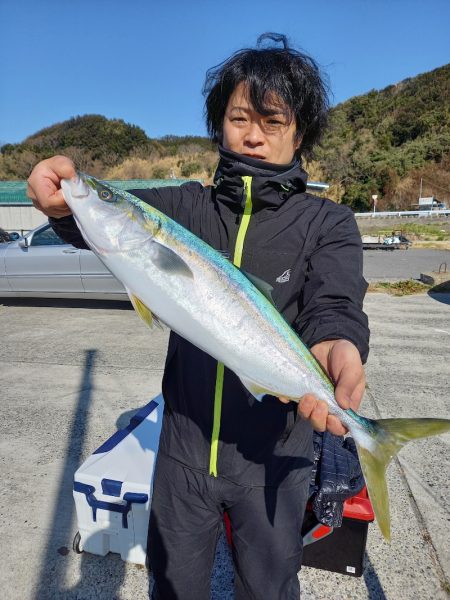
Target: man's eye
(238,119)
(274,122)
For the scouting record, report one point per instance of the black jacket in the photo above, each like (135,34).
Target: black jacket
(309,250)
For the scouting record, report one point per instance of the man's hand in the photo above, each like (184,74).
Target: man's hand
(342,362)
(44,185)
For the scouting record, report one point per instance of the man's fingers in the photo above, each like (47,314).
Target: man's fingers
(306,405)
(284,400)
(55,168)
(315,410)
(350,387)
(319,416)
(335,426)
(44,185)
(54,207)
(342,398)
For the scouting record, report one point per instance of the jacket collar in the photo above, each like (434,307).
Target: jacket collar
(272,184)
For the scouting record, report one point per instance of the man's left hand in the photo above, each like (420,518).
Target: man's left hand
(342,361)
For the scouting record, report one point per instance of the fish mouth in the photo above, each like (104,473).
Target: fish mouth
(74,188)
(79,188)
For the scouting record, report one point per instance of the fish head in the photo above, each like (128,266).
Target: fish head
(107,218)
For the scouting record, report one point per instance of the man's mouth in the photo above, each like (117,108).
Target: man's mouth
(260,156)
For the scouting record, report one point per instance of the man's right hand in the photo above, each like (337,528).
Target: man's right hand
(44,185)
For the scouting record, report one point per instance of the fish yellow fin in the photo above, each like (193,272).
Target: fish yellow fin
(388,437)
(373,469)
(255,390)
(144,312)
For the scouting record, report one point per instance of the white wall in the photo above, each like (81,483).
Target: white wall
(20,218)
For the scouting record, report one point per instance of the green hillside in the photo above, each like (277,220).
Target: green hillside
(384,142)
(377,140)
(96,144)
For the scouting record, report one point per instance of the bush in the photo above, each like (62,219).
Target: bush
(159,173)
(189,168)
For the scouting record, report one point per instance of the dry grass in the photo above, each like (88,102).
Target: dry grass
(196,165)
(432,244)
(399,288)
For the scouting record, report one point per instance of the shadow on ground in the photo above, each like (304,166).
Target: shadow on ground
(52,580)
(68,303)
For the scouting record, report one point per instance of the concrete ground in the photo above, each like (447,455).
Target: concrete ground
(72,372)
(392,265)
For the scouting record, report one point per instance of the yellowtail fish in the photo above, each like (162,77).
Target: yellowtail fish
(198,293)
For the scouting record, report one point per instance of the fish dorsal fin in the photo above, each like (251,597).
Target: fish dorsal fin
(265,288)
(144,312)
(167,260)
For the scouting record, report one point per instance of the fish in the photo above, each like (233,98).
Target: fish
(174,277)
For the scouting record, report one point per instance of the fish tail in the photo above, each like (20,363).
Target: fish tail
(387,437)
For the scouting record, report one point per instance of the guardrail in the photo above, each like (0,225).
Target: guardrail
(406,213)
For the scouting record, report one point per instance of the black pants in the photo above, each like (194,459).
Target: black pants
(186,519)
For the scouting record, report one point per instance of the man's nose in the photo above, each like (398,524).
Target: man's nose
(254,134)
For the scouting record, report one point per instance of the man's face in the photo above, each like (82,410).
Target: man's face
(267,137)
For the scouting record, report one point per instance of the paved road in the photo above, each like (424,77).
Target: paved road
(70,373)
(385,265)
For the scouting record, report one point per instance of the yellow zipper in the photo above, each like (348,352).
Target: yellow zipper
(237,259)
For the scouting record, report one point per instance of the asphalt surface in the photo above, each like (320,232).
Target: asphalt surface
(71,373)
(392,265)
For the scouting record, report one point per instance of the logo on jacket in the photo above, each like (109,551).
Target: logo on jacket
(284,277)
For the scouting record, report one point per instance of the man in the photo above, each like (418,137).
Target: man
(220,449)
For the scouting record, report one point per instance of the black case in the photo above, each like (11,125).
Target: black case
(342,551)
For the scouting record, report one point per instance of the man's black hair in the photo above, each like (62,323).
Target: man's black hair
(291,75)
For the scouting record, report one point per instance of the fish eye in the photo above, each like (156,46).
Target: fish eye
(105,194)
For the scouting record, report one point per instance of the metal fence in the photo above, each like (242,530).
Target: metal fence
(406,213)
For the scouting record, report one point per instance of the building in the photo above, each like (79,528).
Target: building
(429,203)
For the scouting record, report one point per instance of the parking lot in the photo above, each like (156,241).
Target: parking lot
(72,372)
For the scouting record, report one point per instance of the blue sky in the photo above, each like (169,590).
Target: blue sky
(144,61)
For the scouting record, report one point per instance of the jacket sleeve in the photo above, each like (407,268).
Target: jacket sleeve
(332,297)
(171,200)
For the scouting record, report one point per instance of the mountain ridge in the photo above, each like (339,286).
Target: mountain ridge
(379,143)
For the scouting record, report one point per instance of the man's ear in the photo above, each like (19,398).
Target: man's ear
(298,142)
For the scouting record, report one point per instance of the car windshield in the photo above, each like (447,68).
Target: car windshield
(46,237)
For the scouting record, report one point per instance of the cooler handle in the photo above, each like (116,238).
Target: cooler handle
(130,498)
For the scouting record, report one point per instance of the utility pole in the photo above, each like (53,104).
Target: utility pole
(420,193)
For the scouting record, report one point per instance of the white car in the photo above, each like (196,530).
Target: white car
(42,265)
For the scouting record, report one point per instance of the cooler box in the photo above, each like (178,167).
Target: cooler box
(113,488)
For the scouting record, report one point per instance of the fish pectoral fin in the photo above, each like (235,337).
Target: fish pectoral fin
(255,390)
(144,312)
(265,288)
(167,260)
